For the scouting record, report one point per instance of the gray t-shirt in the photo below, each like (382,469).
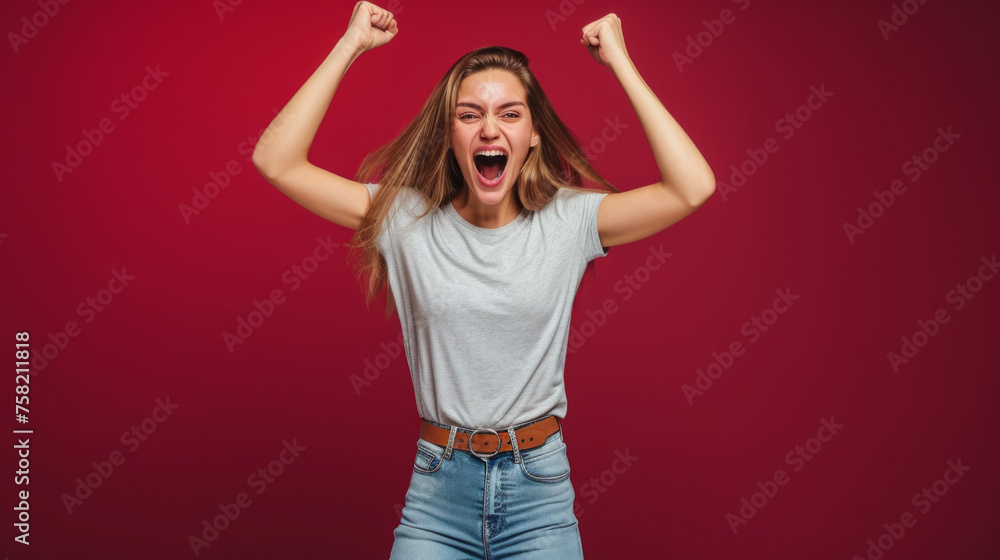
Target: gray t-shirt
(485,312)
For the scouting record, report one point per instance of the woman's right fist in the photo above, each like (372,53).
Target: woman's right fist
(370,27)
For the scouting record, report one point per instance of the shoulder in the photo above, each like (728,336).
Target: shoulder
(576,210)
(570,203)
(407,206)
(570,195)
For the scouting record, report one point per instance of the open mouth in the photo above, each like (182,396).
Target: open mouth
(490,164)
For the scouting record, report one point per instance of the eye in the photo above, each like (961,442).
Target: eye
(463,115)
(511,115)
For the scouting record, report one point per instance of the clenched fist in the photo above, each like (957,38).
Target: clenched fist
(604,39)
(370,27)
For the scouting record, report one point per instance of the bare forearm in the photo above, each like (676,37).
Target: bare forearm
(285,144)
(681,165)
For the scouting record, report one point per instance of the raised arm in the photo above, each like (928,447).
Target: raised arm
(686,180)
(281,155)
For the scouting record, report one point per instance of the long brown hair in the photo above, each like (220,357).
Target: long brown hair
(421,157)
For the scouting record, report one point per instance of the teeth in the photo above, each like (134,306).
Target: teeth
(490,153)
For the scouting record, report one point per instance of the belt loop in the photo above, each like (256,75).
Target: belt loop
(513,444)
(562,433)
(451,442)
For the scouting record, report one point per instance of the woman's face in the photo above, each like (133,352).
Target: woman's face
(491,133)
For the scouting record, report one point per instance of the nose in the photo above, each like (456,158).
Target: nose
(490,127)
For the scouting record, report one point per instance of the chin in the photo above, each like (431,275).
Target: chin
(490,197)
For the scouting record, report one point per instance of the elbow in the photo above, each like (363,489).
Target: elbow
(699,195)
(265,160)
(706,187)
(707,191)
(708,184)
(260,162)
(273,165)
(703,186)
(267,167)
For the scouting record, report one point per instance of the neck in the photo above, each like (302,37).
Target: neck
(484,215)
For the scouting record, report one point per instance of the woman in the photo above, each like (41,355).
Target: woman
(481,227)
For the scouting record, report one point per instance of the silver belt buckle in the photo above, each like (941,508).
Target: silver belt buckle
(499,442)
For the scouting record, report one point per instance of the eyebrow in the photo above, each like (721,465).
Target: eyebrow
(475,106)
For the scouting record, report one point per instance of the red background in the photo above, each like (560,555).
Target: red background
(825,356)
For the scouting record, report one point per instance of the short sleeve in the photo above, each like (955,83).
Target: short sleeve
(381,240)
(405,208)
(578,208)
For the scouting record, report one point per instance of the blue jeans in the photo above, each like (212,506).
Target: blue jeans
(516,504)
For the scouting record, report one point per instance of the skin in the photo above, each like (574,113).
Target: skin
(686,181)
(485,117)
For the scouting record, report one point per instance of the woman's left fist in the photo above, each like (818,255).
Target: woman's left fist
(604,39)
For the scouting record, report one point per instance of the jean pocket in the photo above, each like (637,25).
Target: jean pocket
(548,462)
(429,457)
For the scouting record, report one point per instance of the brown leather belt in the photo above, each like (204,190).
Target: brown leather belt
(486,442)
